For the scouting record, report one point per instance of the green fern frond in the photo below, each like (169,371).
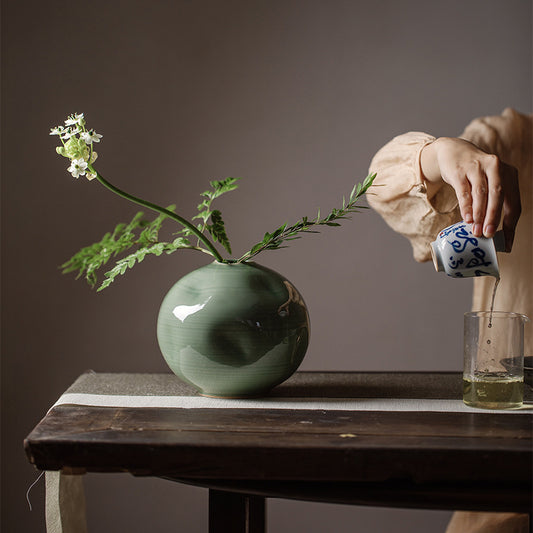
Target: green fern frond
(274,240)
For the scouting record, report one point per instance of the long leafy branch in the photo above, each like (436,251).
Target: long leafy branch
(275,240)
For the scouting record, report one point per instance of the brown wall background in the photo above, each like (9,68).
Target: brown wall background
(295,96)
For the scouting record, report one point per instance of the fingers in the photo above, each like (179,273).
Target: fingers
(479,191)
(512,207)
(463,189)
(494,189)
(495,195)
(471,185)
(497,191)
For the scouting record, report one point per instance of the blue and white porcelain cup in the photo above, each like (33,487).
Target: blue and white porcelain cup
(461,255)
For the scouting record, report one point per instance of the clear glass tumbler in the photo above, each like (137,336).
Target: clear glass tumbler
(493,373)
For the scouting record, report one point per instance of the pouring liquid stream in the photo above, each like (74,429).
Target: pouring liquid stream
(496,283)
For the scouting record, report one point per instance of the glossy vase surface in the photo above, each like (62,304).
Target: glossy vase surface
(233,330)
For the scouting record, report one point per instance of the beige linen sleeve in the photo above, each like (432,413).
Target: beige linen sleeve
(507,135)
(400,196)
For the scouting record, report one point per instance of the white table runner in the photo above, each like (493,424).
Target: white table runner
(325,404)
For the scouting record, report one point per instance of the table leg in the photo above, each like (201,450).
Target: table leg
(231,512)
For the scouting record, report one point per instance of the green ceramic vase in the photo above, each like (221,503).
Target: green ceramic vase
(233,330)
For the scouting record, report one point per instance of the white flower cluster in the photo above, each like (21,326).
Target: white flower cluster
(77,145)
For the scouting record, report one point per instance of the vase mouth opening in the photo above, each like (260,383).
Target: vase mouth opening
(232,262)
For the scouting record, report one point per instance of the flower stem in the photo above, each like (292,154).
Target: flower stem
(210,248)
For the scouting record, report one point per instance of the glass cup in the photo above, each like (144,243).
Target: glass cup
(493,373)
(528,378)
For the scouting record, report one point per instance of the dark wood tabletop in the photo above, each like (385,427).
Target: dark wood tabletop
(410,456)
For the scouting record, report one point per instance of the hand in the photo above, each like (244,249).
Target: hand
(485,186)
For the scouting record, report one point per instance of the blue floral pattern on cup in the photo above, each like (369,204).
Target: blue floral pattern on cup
(460,254)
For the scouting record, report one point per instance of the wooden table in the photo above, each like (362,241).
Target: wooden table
(391,439)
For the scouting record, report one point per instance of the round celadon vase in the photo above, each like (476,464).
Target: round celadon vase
(233,330)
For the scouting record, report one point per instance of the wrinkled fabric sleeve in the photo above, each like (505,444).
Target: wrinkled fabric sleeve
(400,196)
(508,135)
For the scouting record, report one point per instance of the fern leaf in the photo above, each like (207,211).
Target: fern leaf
(218,231)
